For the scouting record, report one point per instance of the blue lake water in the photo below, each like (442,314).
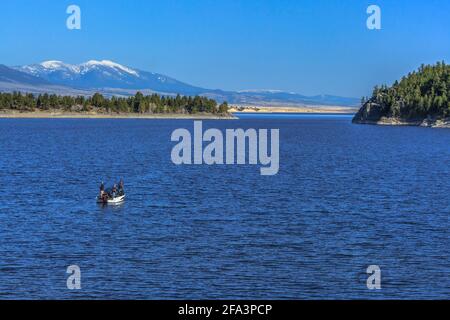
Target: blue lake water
(346,197)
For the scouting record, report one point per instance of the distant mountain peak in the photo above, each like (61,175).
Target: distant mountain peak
(51,64)
(112,78)
(109,64)
(13,76)
(101,74)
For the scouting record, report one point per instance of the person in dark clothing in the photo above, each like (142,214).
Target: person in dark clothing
(121,190)
(103,194)
(102,189)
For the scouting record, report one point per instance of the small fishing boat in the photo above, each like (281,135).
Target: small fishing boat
(110,200)
(111,196)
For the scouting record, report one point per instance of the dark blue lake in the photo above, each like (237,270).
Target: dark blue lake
(346,197)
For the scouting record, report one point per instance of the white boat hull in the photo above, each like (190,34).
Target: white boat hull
(116,200)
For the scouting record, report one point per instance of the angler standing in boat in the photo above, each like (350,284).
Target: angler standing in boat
(102,189)
(114,191)
(121,189)
(103,195)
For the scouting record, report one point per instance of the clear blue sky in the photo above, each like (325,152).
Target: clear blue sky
(306,46)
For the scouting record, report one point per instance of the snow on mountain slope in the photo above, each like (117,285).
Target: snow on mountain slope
(109,77)
(52,66)
(85,67)
(105,74)
(48,67)
(10,75)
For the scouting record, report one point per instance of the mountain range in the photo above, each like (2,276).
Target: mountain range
(110,78)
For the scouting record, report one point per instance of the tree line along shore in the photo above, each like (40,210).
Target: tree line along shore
(137,104)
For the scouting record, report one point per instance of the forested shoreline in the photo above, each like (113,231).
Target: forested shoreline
(137,104)
(421,95)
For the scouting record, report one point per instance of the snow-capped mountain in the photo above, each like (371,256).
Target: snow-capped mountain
(53,67)
(10,75)
(111,78)
(105,74)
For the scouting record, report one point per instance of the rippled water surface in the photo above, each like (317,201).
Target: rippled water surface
(347,196)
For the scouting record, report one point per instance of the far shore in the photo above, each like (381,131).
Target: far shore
(429,122)
(93,115)
(57,114)
(299,109)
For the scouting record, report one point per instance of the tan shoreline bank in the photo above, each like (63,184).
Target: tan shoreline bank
(429,123)
(312,109)
(75,115)
(200,116)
